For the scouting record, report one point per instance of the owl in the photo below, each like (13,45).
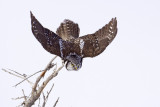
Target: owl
(67,44)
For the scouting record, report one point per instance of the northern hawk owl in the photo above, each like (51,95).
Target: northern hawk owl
(67,44)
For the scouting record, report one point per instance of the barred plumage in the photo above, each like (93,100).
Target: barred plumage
(67,44)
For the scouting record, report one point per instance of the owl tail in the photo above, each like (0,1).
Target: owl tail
(68,30)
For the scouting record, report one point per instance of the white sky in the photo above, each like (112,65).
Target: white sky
(126,74)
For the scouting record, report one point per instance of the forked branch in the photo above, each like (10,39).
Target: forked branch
(37,89)
(35,94)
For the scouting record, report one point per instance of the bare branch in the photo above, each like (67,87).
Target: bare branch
(27,78)
(36,89)
(25,99)
(48,93)
(39,78)
(18,98)
(55,73)
(48,67)
(13,74)
(46,98)
(56,102)
(35,94)
(23,75)
(19,76)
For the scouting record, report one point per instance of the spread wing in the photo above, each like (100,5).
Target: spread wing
(48,39)
(94,44)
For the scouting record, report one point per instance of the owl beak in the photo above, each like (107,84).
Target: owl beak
(76,67)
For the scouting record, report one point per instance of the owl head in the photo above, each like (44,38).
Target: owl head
(73,67)
(74,62)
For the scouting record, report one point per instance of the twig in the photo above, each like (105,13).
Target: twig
(25,99)
(27,78)
(22,77)
(48,93)
(18,98)
(12,73)
(56,102)
(46,98)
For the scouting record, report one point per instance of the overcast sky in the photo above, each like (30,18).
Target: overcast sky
(126,74)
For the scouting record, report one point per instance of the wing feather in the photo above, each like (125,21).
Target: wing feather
(89,45)
(96,43)
(68,30)
(48,39)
